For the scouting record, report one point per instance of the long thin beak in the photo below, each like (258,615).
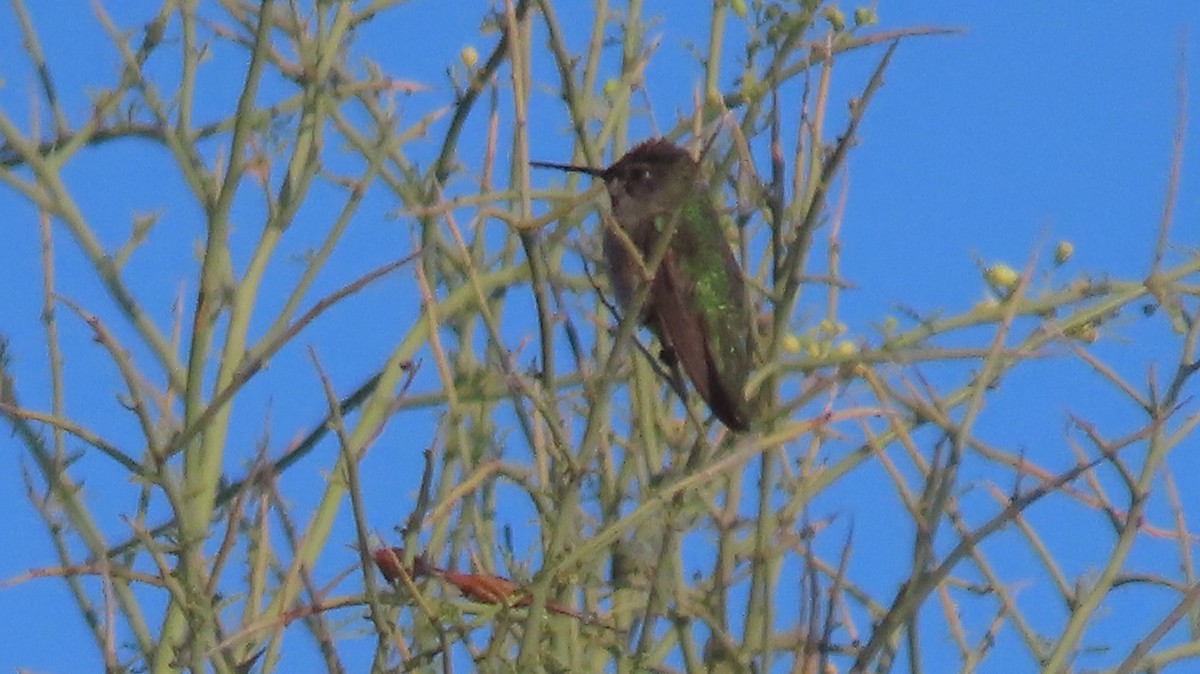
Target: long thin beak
(572,168)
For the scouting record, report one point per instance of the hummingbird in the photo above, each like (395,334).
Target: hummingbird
(697,305)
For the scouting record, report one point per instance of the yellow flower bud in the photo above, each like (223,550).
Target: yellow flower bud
(865,16)
(1063,252)
(835,17)
(469,56)
(790,343)
(1001,276)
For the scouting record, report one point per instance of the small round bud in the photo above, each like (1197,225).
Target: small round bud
(738,7)
(865,16)
(1063,252)
(790,343)
(1001,276)
(831,328)
(845,348)
(835,17)
(469,56)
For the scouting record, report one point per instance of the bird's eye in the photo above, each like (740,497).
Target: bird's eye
(643,173)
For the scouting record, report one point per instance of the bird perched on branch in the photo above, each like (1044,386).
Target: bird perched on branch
(696,303)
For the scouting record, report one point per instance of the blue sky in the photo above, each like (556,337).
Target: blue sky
(1041,122)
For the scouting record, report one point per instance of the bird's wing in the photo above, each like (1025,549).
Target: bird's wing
(704,328)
